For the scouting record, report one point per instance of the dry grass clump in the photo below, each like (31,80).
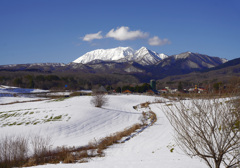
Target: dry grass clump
(69,158)
(145,105)
(153,117)
(115,138)
(130,130)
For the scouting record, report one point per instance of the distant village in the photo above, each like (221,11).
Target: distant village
(149,89)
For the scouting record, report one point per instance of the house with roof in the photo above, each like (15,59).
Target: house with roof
(163,90)
(127,92)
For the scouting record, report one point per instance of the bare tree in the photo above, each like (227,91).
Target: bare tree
(208,129)
(13,151)
(99,99)
(40,145)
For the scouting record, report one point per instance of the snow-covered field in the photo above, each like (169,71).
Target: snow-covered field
(75,122)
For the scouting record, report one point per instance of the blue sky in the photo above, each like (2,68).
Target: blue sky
(38,31)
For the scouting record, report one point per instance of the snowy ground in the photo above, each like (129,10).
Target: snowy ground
(75,122)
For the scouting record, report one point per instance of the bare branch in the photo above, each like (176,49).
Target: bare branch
(208,128)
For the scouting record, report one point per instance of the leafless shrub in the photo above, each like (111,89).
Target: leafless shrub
(41,146)
(13,151)
(208,129)
(99,99)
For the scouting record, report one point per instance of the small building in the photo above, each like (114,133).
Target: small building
(151,92)
(127,91)
(163,91)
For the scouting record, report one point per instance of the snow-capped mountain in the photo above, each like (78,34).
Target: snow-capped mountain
(196,57)
(196,60)
(189,61)
(113,54)
(142,56)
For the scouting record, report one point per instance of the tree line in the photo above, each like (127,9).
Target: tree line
(62,81)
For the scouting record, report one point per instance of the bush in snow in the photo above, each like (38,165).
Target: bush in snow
(99,99)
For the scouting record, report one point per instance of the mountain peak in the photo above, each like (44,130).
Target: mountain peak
(142,56)
(184,55)
(122,48)
(143,48)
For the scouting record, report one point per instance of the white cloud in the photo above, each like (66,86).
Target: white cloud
(90,37)
(123,33)
(156,41)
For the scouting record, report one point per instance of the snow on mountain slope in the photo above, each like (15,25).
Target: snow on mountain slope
(189,60)
(142,56)
(201,60)
(106,55)
(148,57)
(195,57)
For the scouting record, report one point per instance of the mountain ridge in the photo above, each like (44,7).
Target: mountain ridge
(143,64)
(142,56)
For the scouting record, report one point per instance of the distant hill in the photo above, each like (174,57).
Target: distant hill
(223,72)
(225,65)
